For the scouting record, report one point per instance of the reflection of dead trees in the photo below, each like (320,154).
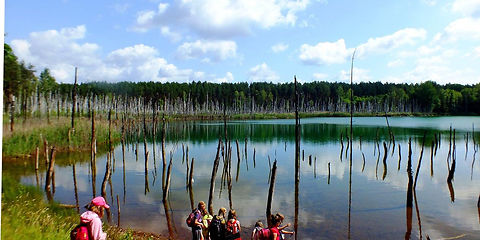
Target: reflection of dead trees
(172,232)
(384,161)
(451,171)
(147,188)
(166,185)
(254,153)
(341,149)
(431,158)
(238,160)
(399,156)
(212,180)
(50,176)
(328,179)
(75,186)
(478,206)
(104,183)
(419,162)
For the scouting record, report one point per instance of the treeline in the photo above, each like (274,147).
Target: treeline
(26,95)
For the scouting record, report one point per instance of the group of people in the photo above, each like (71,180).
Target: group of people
(218,227)
(208,227)
(204,226)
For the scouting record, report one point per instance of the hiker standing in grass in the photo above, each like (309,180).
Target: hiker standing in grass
(233,226)
(93,218)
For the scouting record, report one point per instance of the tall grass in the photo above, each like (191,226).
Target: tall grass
(26,215)
(27,137)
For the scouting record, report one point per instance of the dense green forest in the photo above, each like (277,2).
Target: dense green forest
(26,95)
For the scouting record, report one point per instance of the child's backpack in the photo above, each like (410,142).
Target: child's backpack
(216,229)
(191,219)
(232,230)
(80,232)
(264,234)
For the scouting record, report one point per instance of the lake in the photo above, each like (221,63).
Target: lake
(367,201)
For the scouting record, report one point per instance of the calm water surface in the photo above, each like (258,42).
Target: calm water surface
(378,206)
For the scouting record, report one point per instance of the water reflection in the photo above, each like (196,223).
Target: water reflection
(320,205)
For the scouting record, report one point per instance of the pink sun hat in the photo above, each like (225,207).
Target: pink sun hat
(100,201)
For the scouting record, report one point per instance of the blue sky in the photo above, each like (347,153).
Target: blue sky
(408,41)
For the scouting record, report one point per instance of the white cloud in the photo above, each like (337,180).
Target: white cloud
(121,7)
(395,63)
(467,7)
(61,51)
(325,53)
(228,78)
(221,18)
(173,36)
(279,47)
(407,36)
(463,28)
(439,68)
(58,50)
(430,2)
(262,73)
(477,51)
(320,76)
(359,75)
(208,50)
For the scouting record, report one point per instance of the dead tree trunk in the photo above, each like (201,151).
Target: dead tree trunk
(270,193)
(74,98)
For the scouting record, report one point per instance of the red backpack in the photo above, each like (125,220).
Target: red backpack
(191,219)
(264,234)
(80,232)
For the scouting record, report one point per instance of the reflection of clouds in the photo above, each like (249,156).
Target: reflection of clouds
(321,205)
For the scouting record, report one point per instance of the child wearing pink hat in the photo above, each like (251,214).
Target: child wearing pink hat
(93,218)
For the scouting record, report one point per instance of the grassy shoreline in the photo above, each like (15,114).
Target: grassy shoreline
(291,115)
(26,215)
(30,135)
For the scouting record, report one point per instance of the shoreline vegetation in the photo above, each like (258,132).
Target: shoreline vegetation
(35,132)
(26,215)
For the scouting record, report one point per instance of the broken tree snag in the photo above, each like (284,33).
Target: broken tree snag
(118,212)
(270,193)
(297,158)
(74,98)
(409,203)
(36,159)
